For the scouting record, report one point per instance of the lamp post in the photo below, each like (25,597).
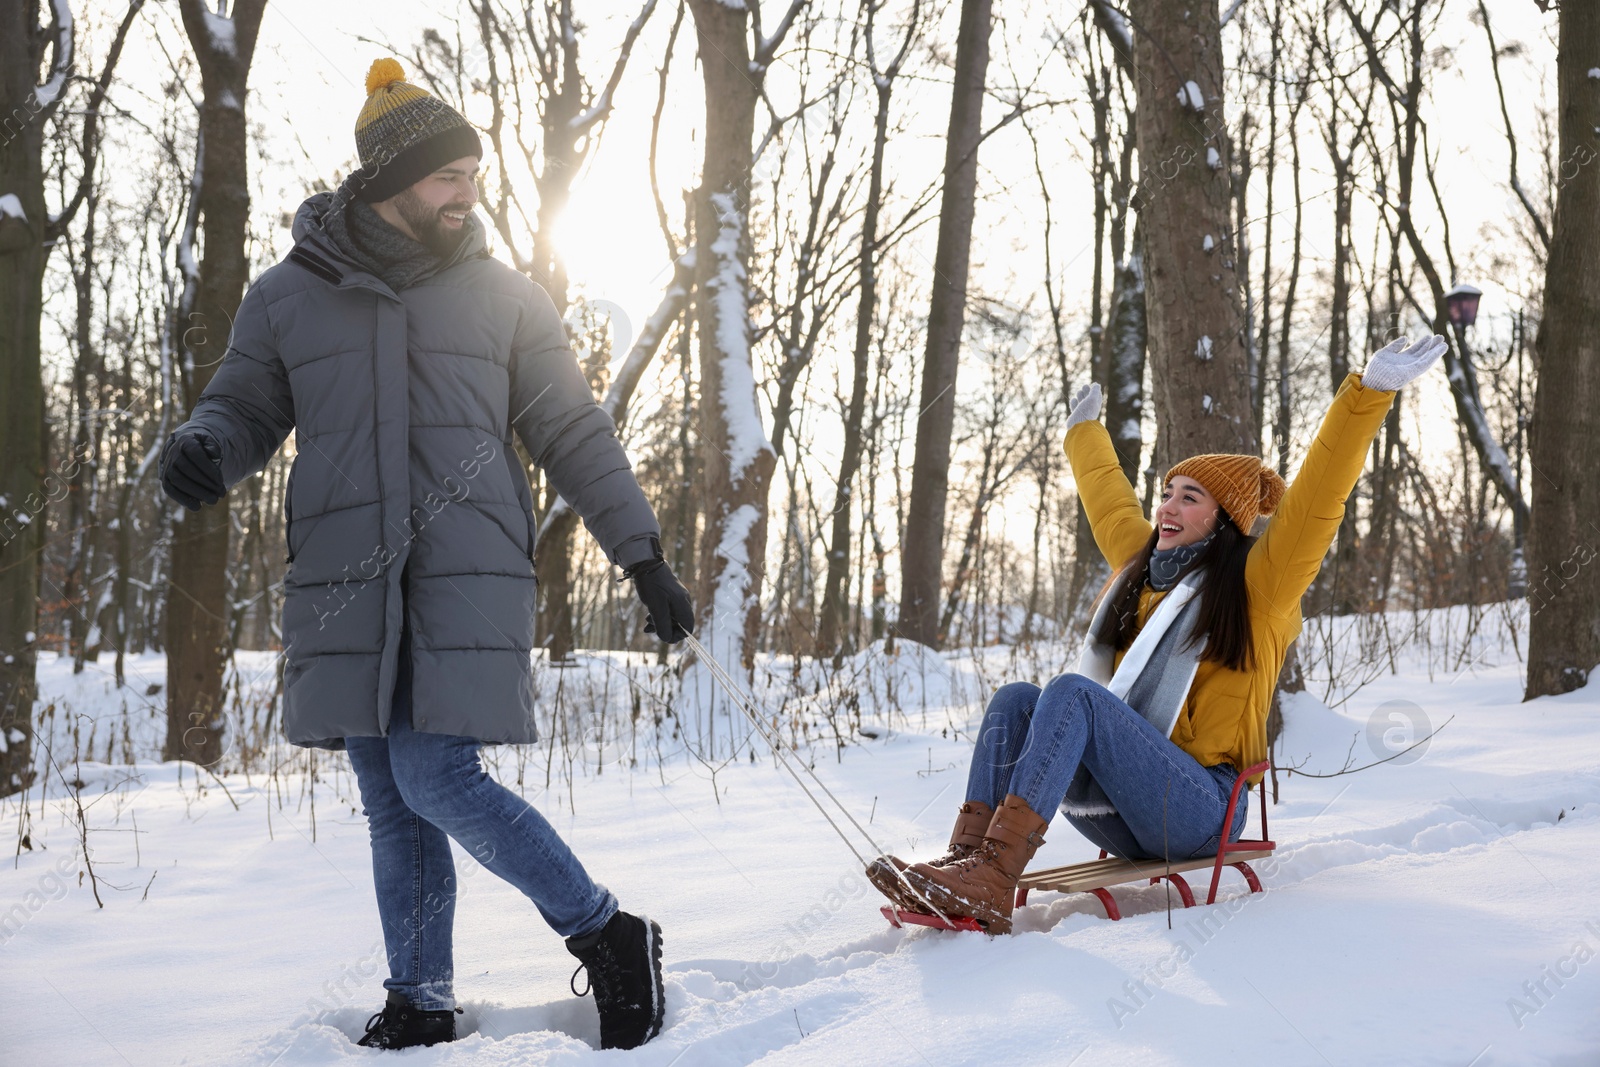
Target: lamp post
(1461,303)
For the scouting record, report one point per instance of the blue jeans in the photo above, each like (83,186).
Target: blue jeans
(421,789)
(1034,742)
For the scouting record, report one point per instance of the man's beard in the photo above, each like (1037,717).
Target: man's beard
(425,222)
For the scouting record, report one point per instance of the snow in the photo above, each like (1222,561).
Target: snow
(1442,899)
(1594,72)
(746,437)
(219,28)
(61,65)
(1202,351)
(1208,244)
(1472,410)
(1117,25)
(1190,96)
(1205,403)
(1213,159)
(723,632)
(11,207)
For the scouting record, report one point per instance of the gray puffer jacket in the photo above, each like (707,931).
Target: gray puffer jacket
(403,406)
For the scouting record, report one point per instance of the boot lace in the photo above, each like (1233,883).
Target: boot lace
(382,1025)
(602,975)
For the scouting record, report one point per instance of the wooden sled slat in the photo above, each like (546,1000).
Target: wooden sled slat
(1096,876)
(1100,874)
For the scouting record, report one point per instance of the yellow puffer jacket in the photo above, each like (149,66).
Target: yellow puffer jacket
(1224,719)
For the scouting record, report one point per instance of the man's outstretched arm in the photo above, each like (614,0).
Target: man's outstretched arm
(241,419)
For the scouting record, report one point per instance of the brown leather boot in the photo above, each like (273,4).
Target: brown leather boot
(972,821)
(984,885)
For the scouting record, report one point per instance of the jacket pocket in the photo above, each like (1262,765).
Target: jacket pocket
(288,513)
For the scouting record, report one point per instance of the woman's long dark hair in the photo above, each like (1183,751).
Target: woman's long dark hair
(1224,598)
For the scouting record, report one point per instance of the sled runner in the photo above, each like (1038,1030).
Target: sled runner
(1097,876)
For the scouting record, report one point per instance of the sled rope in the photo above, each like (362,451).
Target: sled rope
(746,703)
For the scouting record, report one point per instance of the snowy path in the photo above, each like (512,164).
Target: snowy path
(1411,909)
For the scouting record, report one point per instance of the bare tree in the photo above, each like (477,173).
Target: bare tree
(1405,93)
(1121,343)
(734,57)
(922,554)
(28,230)
(1564,582)
(1197,352)
(197,604)
(830,633)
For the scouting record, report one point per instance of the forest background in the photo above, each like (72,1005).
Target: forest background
(835,269)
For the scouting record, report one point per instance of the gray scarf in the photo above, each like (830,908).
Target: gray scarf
(1159,685)
(1168,565)
(360,233)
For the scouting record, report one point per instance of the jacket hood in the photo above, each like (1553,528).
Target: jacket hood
(308,232)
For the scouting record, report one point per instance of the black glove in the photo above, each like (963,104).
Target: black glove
(665,598)
(191,469)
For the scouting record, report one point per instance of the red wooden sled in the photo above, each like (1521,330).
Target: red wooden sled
(1097,876)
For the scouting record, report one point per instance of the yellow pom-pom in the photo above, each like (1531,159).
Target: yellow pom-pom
(384,72)
(1272,490)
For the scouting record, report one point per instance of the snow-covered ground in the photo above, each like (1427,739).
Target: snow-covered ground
(1436,909)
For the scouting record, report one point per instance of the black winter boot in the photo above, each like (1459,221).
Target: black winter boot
(624,963)
(399,1025)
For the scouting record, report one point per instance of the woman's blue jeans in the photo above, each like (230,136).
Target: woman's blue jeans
(1034,741)
(419,790)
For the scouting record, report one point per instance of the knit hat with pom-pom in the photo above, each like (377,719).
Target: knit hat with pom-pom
(404,133)
(1245,487)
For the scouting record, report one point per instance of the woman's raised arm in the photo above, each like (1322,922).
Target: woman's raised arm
(1119,525)
(1285,561)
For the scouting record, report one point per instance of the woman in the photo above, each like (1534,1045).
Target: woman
(1141,747)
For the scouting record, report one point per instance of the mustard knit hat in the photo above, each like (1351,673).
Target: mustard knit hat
(404,133)
(1244,486)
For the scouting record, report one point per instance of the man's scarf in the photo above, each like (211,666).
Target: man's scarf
(376,247)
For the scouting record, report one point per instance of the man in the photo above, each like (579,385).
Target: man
(404,358)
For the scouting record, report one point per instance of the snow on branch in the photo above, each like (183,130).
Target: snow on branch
(768,47)
(1190,96)
(602,104)
(48,93)
(626,380)
(746,437)
(655,329)
(1494,456)
(219,33)
(1114,24)
(11,207)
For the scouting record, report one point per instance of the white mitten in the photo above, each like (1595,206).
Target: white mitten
(1086,404)
(1396,365)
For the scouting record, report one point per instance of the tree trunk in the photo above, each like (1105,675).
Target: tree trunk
(922,558)
(835,601)
(27,232)
(197,610)
(1122,378)
(24,489)
(1202,388)
(1340,584)
(738,467)
(1564,535)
